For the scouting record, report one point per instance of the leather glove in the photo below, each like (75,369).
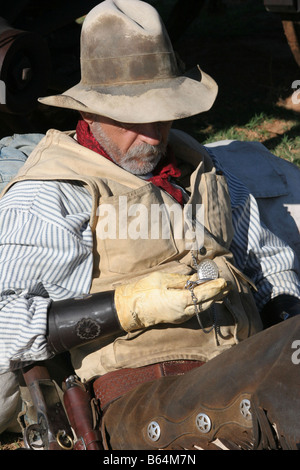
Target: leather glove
(163,298)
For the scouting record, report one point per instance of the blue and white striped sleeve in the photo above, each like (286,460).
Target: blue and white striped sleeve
(45,253)
(262,256)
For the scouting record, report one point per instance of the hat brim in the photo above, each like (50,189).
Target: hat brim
(164,100)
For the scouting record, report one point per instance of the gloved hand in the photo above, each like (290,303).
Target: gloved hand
(162,298)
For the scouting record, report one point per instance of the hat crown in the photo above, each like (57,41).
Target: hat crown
(129,71)
(125,41)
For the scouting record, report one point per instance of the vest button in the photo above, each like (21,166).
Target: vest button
(202,250)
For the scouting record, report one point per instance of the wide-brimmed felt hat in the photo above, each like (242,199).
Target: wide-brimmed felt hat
(129,71)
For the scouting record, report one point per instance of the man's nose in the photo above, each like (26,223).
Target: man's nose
(150,133)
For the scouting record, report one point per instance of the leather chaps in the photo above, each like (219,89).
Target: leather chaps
(246,398)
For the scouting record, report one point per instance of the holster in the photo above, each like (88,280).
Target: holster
(83,413)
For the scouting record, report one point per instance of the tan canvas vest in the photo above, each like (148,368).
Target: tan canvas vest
(123,258)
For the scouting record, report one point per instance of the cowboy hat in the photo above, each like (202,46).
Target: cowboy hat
(129,70)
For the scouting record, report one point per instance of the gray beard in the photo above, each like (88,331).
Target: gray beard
(139,160)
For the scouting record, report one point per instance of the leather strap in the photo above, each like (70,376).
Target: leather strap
(113,385)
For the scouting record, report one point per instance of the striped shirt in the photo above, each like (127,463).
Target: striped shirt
(46,252)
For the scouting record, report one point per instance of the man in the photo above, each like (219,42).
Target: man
(87,267)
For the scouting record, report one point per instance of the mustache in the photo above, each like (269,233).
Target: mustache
(143,158)
(147,151)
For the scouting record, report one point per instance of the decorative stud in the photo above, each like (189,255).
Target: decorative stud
(245,408)
(153,431)
(203,423)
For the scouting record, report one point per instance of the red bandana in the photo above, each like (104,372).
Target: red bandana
(162,174)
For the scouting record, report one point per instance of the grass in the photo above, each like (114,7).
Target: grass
(244,49)
(279,133)
(281,137)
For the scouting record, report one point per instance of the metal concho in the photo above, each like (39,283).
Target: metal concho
(153,431)
(203,423)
